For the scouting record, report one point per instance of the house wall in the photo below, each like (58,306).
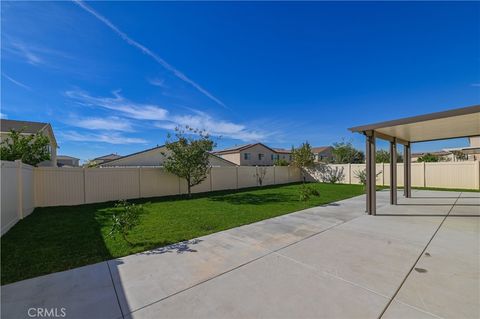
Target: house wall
(232,157)
(254,161)
(154,158)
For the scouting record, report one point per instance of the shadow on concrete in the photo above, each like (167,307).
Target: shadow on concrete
(179,248)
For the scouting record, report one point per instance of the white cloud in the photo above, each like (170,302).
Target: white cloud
(118,103)
(3,115)
(20,84)
(148,52)
(112,123)
(162,118)
(110,138)
(26,52)
(158,82)
(213,126)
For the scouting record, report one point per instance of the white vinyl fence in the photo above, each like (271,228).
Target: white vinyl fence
(463,175)
(25,187)
(17,191)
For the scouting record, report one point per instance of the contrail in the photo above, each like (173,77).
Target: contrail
(148,52)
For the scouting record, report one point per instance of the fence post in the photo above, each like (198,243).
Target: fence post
(424,174)
(211,177)
(477,174)
(236,171)
(139,182)
(19,189)
(84,186)
(274,178)
(349,173)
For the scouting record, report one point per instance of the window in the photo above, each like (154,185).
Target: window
(247,156)
(261,156)
(275,157)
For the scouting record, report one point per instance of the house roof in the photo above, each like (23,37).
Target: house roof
(24,126)
(66,157)
(108,157)
(282,151)
(320,149)
(437,153)
(153,148)
(27,127)
(240,148)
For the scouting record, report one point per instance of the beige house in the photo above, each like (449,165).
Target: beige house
(106,158)
(67,161)
(29,128)
(458,154)
(323,154)
(154,157)
(256,154)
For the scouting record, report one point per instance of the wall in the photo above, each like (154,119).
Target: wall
(460,175)
(17,191)
(154,157)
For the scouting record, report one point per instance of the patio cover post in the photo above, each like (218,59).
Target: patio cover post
(407,170)
(370,172)
(393,172)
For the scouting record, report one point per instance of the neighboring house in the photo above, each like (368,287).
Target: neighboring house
(105,158)
(253,155)
(469,153)
(154,157)
(29,128)
(67,161)
(323,154)
(442,155)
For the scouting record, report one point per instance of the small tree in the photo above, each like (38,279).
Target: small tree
(124,218)
(344,153)
(188,155)
(303,158)
(362,176)
(260,174)
(383,156)
(30,149)
(429,158)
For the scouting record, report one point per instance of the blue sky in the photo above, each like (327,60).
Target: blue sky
(118,76)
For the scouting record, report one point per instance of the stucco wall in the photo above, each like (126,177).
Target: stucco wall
(154,157)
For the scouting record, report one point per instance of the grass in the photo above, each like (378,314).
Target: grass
(59,238)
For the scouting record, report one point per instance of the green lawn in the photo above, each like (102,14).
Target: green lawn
(58,238)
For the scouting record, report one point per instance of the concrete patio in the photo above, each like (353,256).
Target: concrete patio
(418,259)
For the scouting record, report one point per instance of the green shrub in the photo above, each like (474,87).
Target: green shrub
(307,191)
(125,217)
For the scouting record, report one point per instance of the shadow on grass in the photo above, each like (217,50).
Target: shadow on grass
(252,199)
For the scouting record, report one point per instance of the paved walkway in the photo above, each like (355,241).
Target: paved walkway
(419,259)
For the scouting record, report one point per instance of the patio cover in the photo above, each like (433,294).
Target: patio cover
(456,123)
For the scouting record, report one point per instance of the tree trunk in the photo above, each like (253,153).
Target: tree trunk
(189,190)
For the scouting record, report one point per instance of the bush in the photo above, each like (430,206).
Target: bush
(125,217)
(307,191)
(333,175)
(362,176)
